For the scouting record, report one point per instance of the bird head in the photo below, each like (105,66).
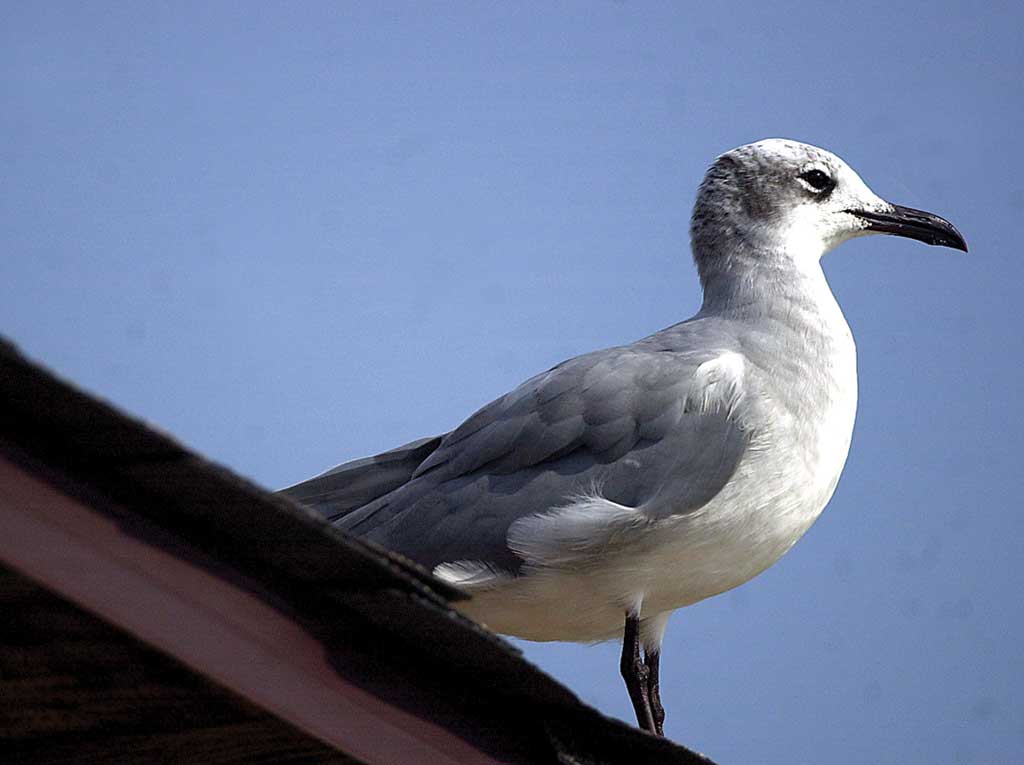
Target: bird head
(797,202)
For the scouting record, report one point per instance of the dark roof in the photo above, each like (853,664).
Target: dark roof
(72,684)
(385,625)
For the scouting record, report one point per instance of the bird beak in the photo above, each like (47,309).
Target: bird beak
(915,224)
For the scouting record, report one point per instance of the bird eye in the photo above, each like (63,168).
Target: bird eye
(817,180)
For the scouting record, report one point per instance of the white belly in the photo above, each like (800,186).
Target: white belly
(677,562)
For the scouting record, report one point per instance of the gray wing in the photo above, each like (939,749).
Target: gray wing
(620,420)
(357,483)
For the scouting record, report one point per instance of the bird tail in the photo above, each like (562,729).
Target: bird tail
(351,485)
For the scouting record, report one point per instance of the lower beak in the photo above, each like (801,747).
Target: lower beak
(915,224)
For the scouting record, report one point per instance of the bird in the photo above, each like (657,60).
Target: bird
(603,494)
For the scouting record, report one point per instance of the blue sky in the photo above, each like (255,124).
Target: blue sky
(294,234)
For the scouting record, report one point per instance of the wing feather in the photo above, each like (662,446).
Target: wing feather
(617,419)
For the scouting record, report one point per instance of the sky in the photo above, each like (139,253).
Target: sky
(296,234)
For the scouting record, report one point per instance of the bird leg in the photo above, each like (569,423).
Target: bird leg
(636,673)
(652,660)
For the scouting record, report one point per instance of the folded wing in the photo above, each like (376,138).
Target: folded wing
(644,426)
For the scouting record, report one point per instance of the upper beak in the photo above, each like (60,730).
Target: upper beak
(916,224)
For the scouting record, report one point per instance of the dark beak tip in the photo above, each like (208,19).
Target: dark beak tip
(955,240)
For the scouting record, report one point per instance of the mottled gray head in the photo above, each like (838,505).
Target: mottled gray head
(790,203)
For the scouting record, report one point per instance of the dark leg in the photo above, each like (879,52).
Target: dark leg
(635,673)
(652,659)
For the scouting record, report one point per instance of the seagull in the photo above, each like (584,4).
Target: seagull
(598,497)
